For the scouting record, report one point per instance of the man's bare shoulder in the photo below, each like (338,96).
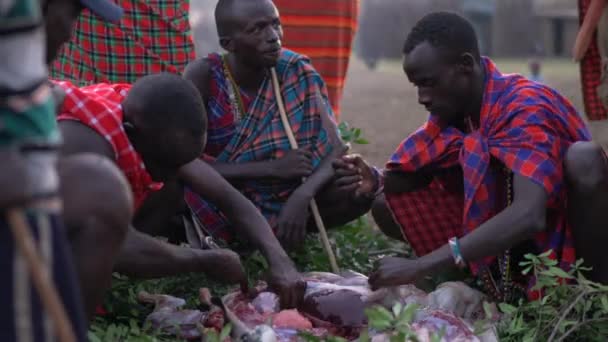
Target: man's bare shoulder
(199,73)
(79,138)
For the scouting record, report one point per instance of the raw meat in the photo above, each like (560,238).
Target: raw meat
(169,317)
(335,304)
(291,319)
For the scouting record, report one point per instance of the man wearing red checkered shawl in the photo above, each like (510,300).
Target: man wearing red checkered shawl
(154,130)
(247,142)
(488,171)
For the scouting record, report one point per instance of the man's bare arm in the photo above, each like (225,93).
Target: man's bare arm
(246,219)
(525,217)
(78,138)
(518,222)
(243,215)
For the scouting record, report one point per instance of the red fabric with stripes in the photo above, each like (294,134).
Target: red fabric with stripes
(322,30)
(591,72)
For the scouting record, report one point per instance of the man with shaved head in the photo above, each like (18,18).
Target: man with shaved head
(503,167)
(247,143)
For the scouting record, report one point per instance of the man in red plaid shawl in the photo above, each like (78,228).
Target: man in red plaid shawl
(247,142)
(502,167)
(122,151)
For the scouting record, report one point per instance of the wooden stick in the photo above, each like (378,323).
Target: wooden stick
(40,275)
(294,145)
(588,27)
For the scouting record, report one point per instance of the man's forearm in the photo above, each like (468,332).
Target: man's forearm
(143,256)
(319,178)
(248,220)
(513,225)
(245,171)
(241,213)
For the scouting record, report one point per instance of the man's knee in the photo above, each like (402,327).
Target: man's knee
(384,218)
(585,165)
(95,190)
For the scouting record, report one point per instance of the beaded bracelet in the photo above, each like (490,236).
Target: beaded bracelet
(455,247)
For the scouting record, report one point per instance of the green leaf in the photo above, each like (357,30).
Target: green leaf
(604,301)
(545,254)
(407,315)
(507,308)
(488,310)
(225,332)
(397,309)
(379,318)
(361,141)
(558,272)
(364,336)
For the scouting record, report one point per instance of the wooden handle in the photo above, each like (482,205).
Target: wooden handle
(40,275)
(588,27)
(294,146)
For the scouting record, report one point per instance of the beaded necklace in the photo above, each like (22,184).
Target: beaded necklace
(503,291)
(236,101)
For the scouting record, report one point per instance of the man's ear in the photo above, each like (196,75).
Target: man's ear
(227,43)
(466,63)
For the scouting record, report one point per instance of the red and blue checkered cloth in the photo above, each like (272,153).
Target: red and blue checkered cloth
(260,135)
(99,107)
(525,126)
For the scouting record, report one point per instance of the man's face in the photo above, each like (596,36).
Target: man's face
(60,17)
(256,38)
(443,88)
(164,152)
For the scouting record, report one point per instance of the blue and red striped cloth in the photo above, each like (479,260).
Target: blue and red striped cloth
(526,127)
(260,135)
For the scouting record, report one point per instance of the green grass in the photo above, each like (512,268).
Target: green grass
(357,247)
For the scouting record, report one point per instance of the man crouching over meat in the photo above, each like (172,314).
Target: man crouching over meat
(153,131)
(503,167)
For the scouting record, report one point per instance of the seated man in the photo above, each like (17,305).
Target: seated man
(247,143)
(130,126)
(502,167)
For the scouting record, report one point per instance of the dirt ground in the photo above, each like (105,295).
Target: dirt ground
(384,104)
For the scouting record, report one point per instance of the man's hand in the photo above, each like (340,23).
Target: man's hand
(292,221)
(288,284)
(353,174)
(393,271)
(295,164)
(225,266)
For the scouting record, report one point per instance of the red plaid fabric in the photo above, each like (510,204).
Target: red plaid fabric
(99,107)
(424,225)
(322,30)
(525,126)
(591,73)
(152,36)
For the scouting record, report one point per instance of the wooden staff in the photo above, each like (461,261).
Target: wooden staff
(294,146)
(40,275)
